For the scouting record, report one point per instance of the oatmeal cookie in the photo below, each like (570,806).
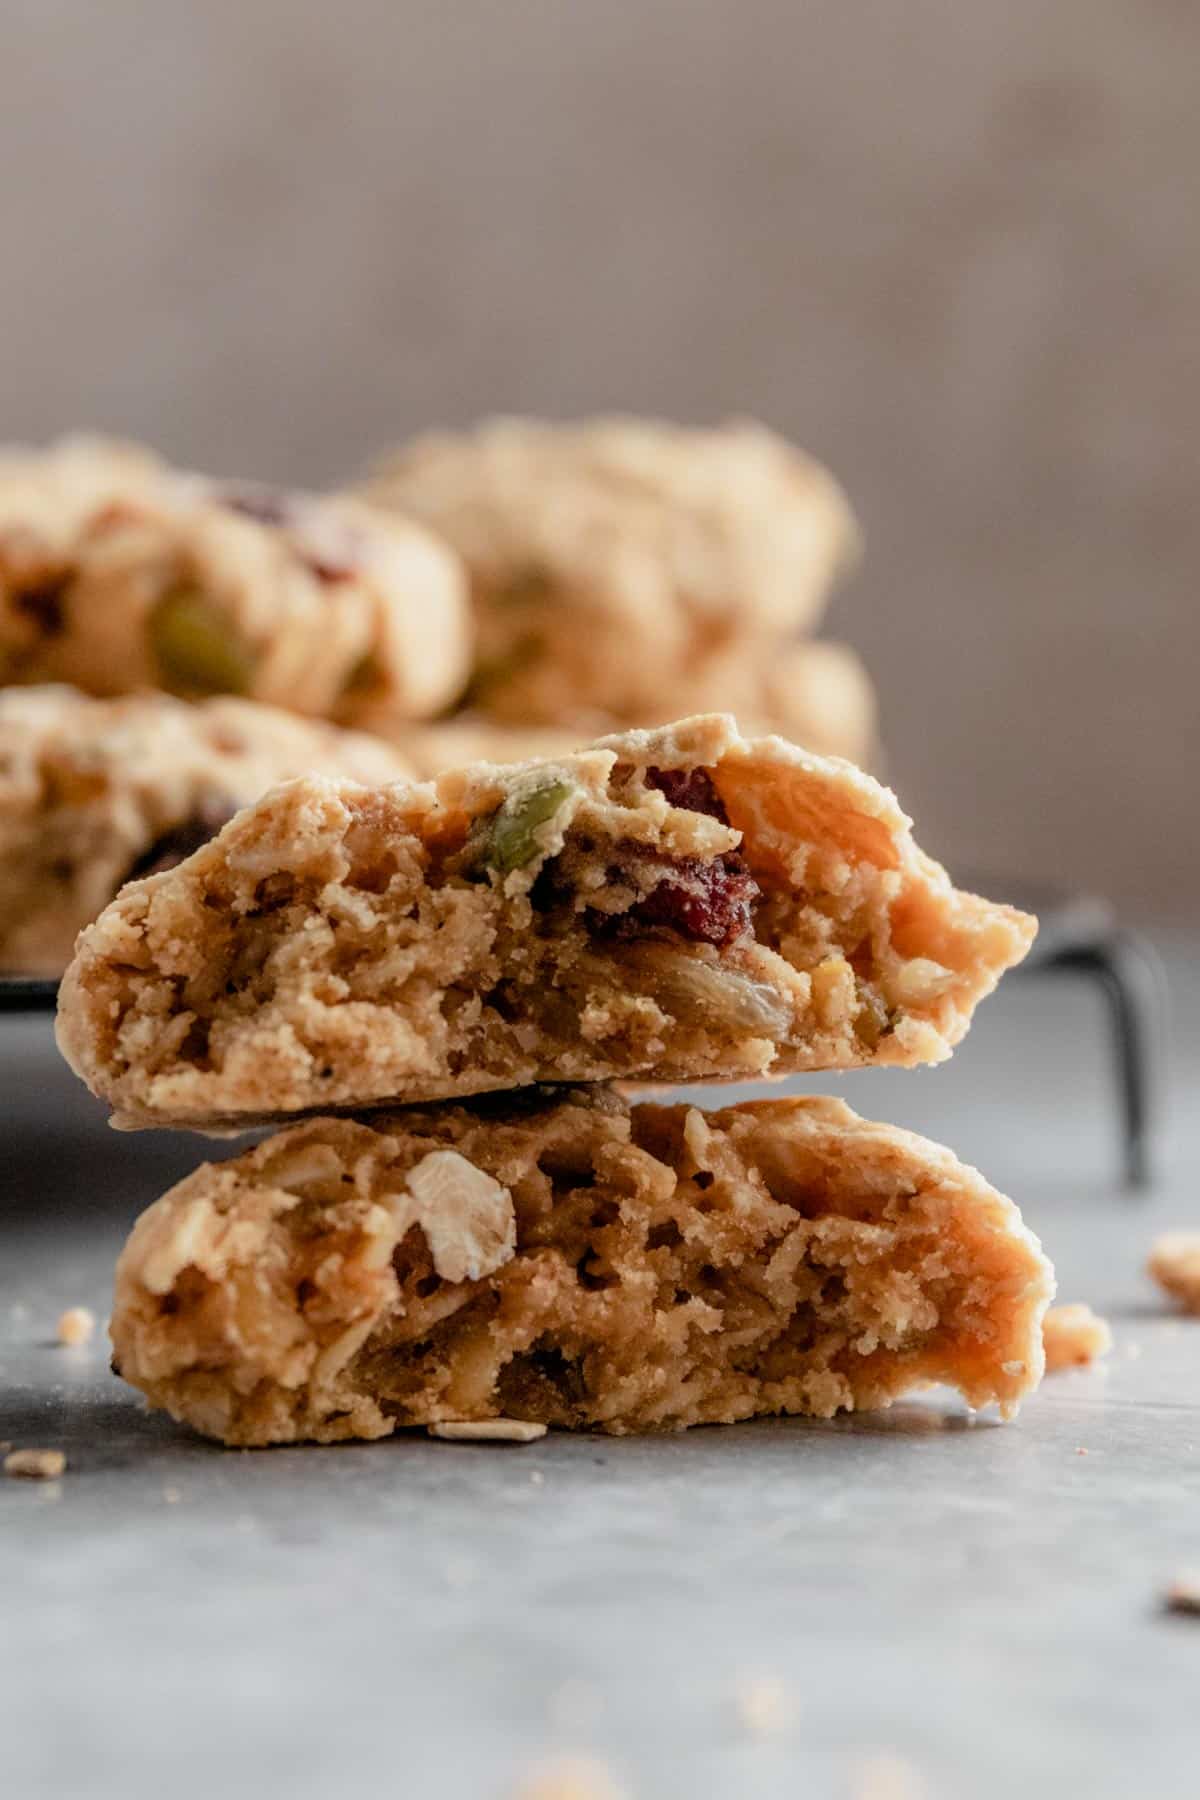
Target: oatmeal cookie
(572,1261)
(616,563)
(94,793)
(683,904)
(118,573)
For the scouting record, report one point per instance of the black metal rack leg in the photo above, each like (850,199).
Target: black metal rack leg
(1128,973)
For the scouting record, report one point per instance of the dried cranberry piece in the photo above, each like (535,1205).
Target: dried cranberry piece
(693,790)
(329,548)
(709,901)
(266,505)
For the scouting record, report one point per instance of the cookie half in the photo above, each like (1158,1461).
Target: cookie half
(575,1262)
(94,793)
(677,905)
(118,573)
(616,563)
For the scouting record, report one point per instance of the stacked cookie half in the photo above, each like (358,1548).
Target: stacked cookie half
(439,995)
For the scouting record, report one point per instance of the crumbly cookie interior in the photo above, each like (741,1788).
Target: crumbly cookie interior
(594,920)
(670,1268)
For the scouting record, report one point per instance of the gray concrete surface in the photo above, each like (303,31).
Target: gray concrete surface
(413,1618)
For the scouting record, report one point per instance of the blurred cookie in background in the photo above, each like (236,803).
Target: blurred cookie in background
(118,574)
(617,566)
(96,792)
(817,694)
(470,737)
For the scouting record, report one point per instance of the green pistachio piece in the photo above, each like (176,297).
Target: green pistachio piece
(196,646)
(513,840)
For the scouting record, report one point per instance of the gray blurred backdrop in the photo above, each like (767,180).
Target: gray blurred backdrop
(951,248)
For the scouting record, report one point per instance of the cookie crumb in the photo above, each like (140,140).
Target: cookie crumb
(763,1705)
(76,1325)
(488,1431)
(1175,1264)
(1183,1595)
(36,1465)
(1074,1337)
(172,1495)
(537,1478)
(574,1778)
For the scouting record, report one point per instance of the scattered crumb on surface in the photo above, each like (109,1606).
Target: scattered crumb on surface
(488,1431)
(76,1325)
(1175,1264)
(537,1478)
(172,1495)
(36,1465)
(1074,1336)
(1133,1351)
(571,1778)
(763,1705)
(888,1776)
(1183,1595)
(1080,1450)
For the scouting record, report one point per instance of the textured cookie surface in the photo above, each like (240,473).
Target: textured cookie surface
(676,905)
(94,793)
(616,564)
(572,1261)
(118,573)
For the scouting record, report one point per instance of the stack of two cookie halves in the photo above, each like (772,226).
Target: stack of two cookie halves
(442,993)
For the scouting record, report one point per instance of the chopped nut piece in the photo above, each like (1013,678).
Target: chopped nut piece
(467,1217)
(76,1325)
(574,1778)
(1074,1336)
(1183,1595)
(37,1465)
(763,1705)
(508,1431)
(1175,1265)
(516,834)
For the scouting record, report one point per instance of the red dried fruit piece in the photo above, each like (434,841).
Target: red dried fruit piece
(264,504)
(709,901)
(329,548)
(693,790)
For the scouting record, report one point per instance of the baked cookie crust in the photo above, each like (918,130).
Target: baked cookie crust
(118,573)
(573,1261)
(96,792)
(617,564)
(684,904)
